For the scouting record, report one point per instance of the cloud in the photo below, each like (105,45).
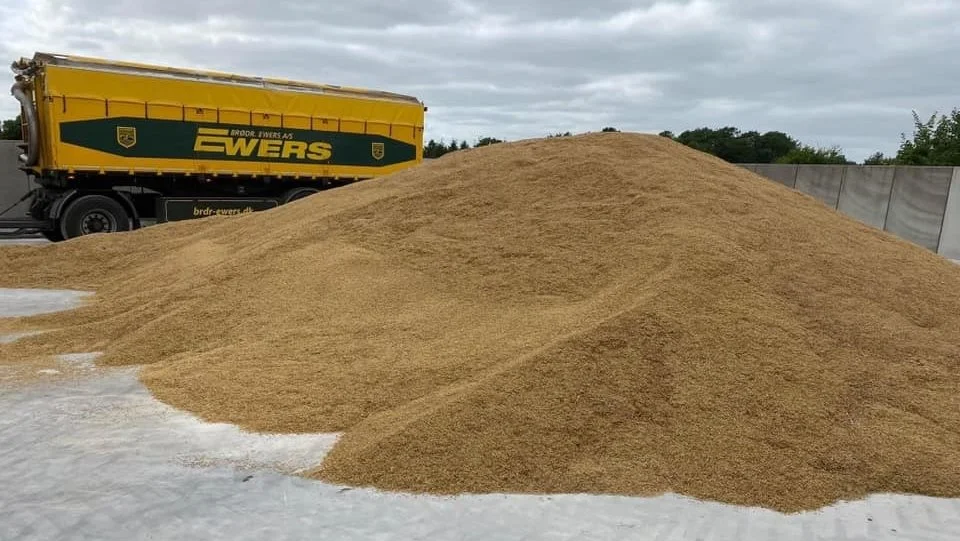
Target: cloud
(842,72)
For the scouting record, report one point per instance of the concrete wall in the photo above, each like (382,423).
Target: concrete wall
(865,194)
(919,204)
(13,182)
(784,175)
(824,183)
(950,232)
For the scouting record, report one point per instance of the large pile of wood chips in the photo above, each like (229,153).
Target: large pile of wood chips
(606,313)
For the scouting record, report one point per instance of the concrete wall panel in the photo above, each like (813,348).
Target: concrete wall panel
(918,203)
(865,195)
(950,234)
(785,174)
(14,183)
(821,181)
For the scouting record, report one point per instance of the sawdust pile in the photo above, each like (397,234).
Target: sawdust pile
(609,313)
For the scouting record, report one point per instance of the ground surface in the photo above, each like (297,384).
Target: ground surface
(92,456)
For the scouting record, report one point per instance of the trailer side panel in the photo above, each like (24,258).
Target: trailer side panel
(105,121)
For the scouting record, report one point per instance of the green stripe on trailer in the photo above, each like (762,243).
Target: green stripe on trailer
(175,139)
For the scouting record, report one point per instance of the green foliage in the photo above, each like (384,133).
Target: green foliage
(732,145)
(668,134)
(879,159)
(934,142)
(484,141)
(609,129)
(10,129)
(772,145)
(813,155)
(433,149)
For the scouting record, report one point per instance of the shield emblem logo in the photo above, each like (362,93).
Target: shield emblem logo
(378,151)
(126,136)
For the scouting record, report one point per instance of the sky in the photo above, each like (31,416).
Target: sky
(845,73)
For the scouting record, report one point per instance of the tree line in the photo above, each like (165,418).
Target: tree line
(935,141)
(435,149)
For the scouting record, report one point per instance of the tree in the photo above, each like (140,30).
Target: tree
(432,149)
(773,145)
(11,129)
(708,140)
(878,158)
(609,129)
(934,142)
(726,143)
(485,141)
(813,155)
(730,144)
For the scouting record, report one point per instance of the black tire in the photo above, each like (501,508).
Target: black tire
(297,193)
(53,236)
(91,214)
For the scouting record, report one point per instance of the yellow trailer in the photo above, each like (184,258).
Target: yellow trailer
(111,144)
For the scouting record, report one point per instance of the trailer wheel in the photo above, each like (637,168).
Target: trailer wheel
(53,236)
(90,214)
(298,193)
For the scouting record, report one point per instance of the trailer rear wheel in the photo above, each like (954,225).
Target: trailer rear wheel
(298,193)
(90,214)
(53,236)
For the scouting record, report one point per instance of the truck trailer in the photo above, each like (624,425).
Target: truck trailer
(112,145)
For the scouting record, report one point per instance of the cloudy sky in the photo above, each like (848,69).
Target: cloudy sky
(829,72)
